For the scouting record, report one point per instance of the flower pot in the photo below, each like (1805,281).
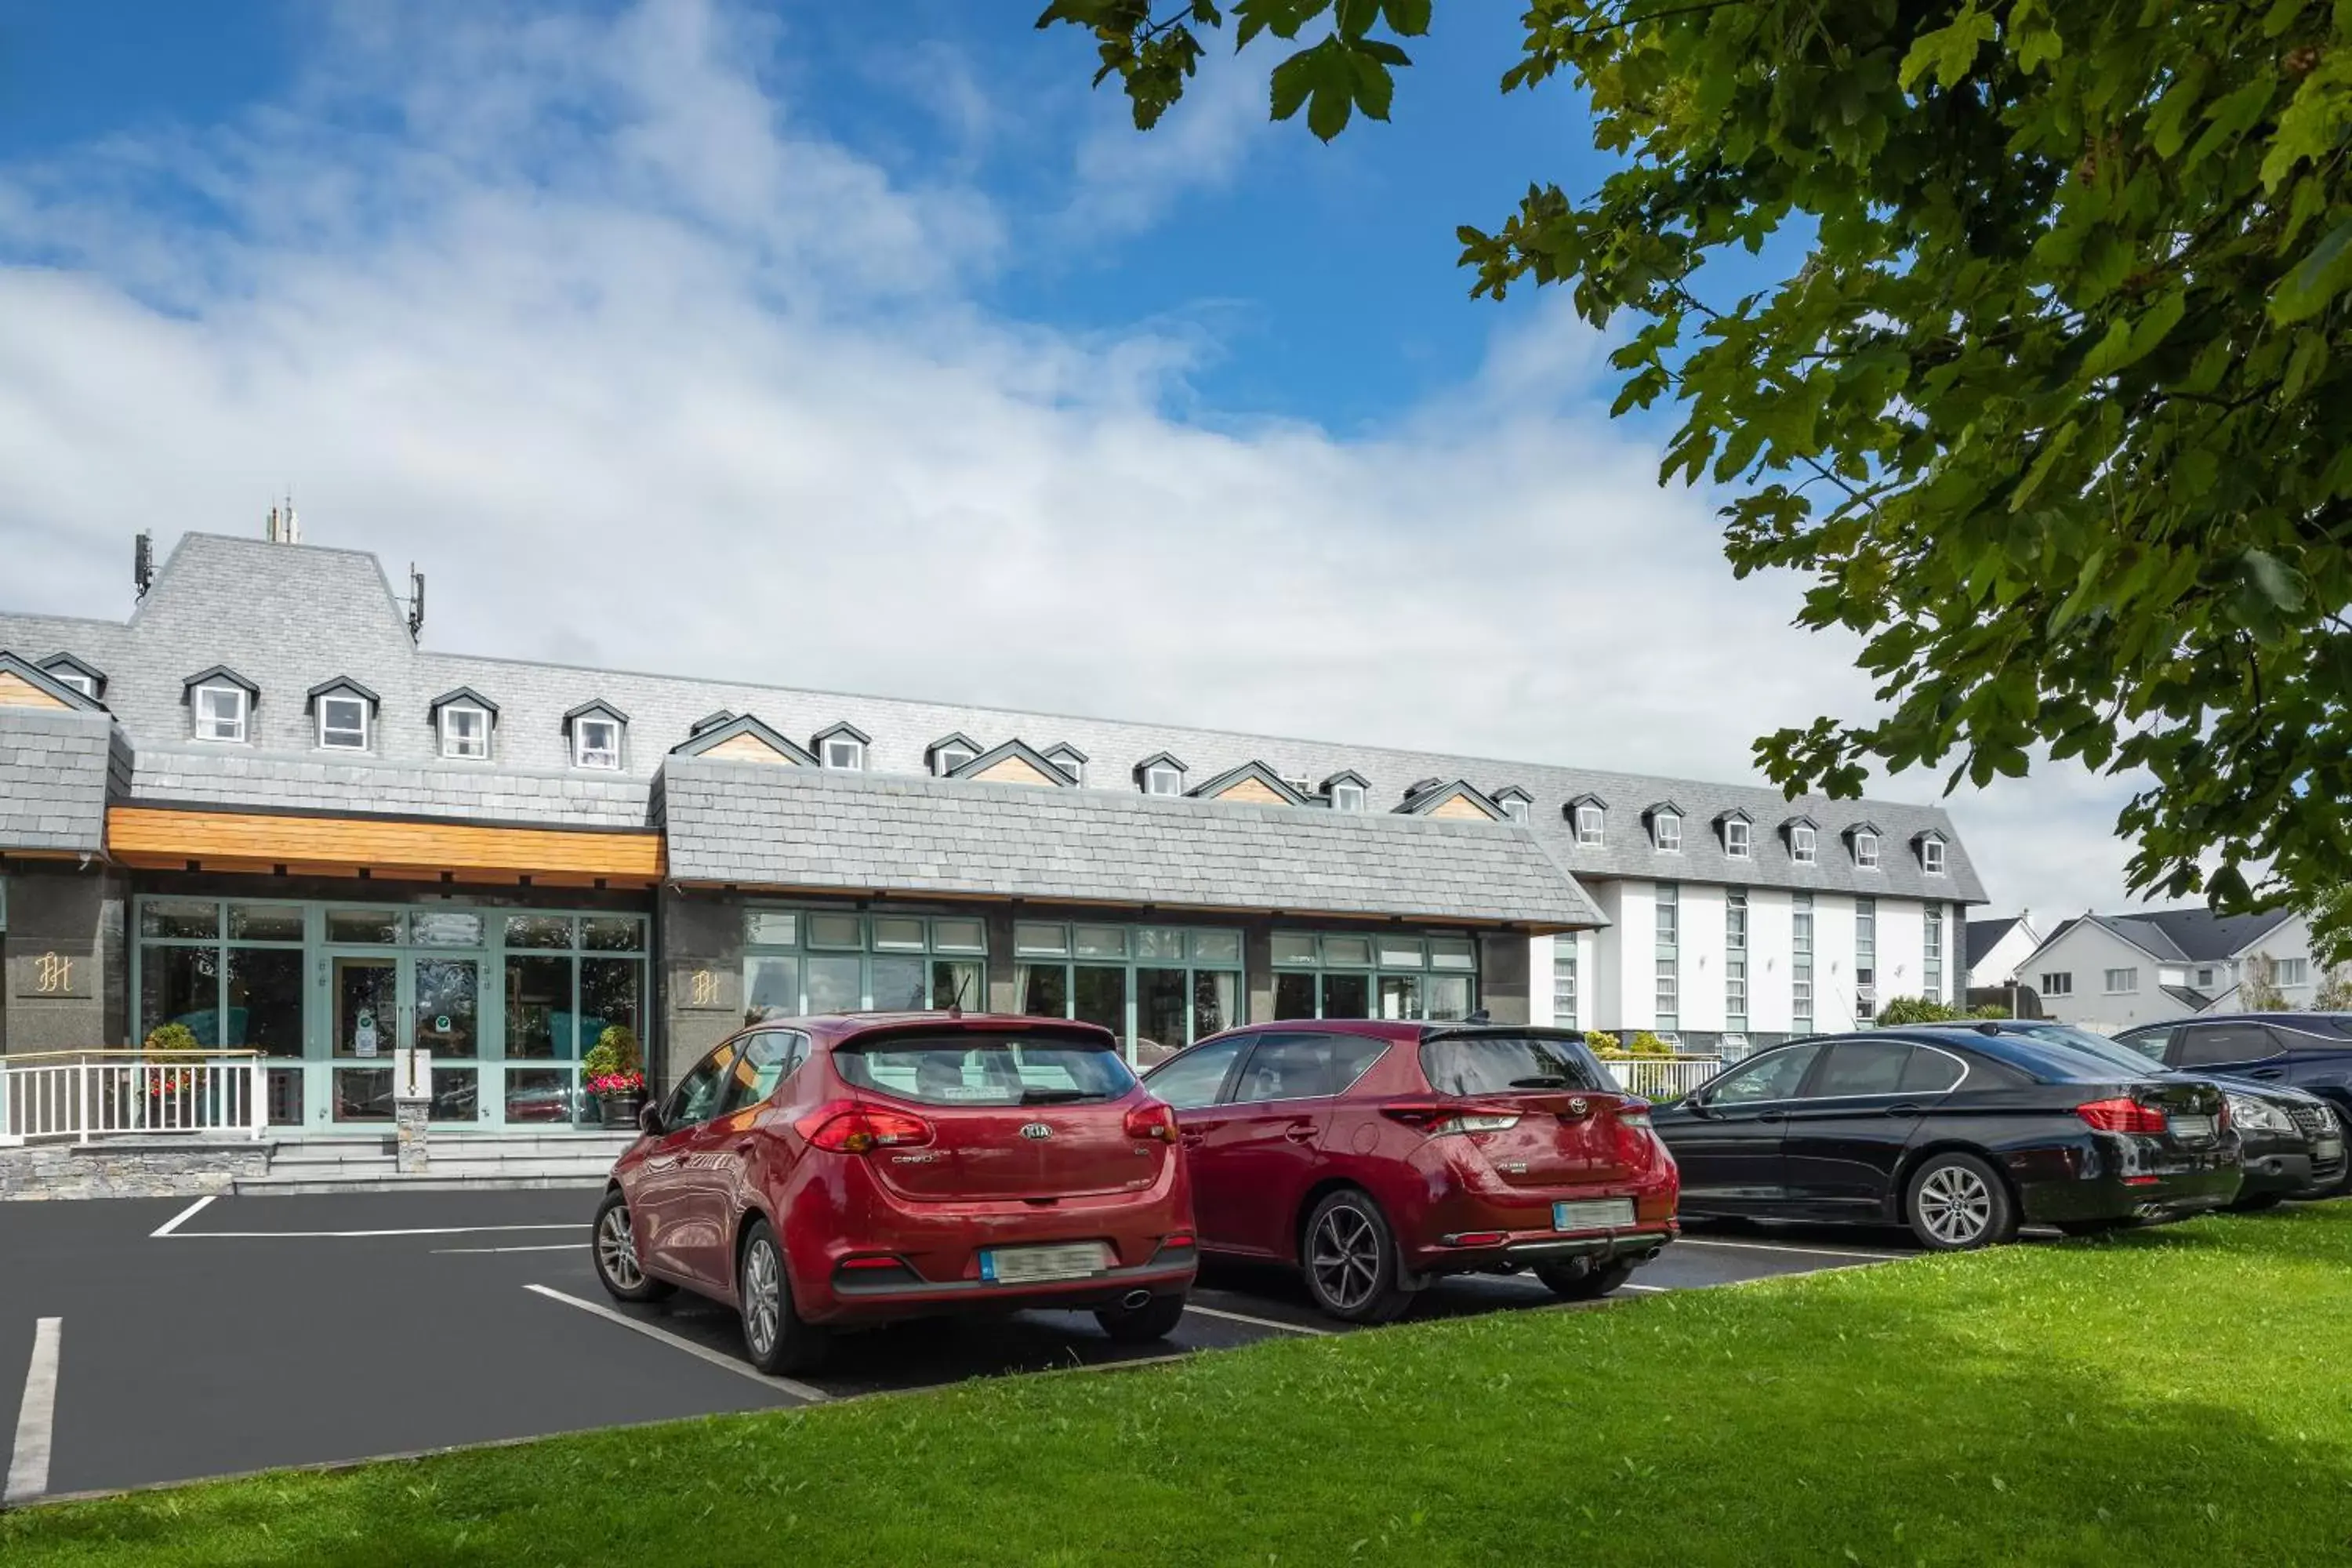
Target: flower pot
(621,1110)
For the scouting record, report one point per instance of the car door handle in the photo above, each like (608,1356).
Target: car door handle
(1299,1132)
(1905,1110)
(1771,1116)
(2267,1072)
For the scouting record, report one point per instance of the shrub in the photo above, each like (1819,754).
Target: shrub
(1604,1043)
(615,1054)
(1918,1010)
(1646,1043)
(169,1038)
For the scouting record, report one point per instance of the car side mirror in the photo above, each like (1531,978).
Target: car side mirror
(649,1119)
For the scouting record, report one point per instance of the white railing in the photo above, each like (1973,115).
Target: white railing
(1662,1077)
(83,1096)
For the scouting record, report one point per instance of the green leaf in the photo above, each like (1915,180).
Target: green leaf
(1947,51)
(2279,584)
(1407,19)
(2319,278)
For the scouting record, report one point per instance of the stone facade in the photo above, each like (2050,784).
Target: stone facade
(120,1170)
(64,974)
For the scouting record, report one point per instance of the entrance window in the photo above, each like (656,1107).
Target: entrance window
(1158,988)
(798,964)
(565,988)
(1395,974)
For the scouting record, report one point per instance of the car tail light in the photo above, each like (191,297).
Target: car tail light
(848,1128)
(1633,1111)
(1151,1120)
(881,1260)
(2122,1116)
(1441,1118)
(1178,1238)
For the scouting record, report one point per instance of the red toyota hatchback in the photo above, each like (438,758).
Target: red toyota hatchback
(817,1173)
(1376,1156)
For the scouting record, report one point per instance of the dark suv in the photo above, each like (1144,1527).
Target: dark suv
(2309,1051)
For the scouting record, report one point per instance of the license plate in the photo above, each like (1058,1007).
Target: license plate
(2327,1149)
(2193,1129)
(1602,1214)
(1023,1265)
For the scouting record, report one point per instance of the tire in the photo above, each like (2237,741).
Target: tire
(2257,1202)
(1347,1258)
(1155,1319)
(1957,1202)
(1587,1285)
(614,1249)
(774,1336)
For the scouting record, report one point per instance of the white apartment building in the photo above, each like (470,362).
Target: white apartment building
(2113,972)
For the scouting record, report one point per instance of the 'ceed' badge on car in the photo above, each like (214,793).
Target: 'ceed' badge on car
(1036,1130)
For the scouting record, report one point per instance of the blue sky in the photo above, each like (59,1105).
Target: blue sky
(864,347)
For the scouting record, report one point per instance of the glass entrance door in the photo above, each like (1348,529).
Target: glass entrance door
(365,991)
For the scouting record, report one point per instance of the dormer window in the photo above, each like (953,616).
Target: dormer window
(1931,855)
(1160,774)
(1736,841)
(343,723)
(598,734)
(1347,791)
(1866,849)
(465,733)
(948,759)
(1666,832)
(1803,844)
(220,713)
(1070,760)
(1590,817)
(1347,797)
(1517,803)
(843,747)
(66,670)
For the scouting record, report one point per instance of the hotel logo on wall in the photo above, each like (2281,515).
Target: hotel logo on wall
(51,975)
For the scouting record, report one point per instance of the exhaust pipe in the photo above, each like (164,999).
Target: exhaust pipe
(1136,1300)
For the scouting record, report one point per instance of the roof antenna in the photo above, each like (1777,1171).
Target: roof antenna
(143,561)
(955,1002)
(283,527)
(415,600)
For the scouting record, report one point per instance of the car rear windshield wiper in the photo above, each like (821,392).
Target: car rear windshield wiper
(1549,1080)
(1057,1096)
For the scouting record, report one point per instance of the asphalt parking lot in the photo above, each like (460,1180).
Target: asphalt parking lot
(144,1342)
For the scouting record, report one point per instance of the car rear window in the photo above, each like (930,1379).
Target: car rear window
(1503,1064)
(2050,1062)
(995,1070)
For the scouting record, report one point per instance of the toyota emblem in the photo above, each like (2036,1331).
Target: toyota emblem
(1579,1106)
(1036,1130)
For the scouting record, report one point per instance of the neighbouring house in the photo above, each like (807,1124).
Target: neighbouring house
(1996,947)
(2112,971)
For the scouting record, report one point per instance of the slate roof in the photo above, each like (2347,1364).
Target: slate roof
(2201,936)
(58,769)
(291,616)
(214,776)
(814,829)
(1985,935)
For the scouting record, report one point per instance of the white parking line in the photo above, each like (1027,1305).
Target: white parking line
(183,1217)
(478,1251)
(28,1463)
(1189,1308)
(1646,1290)
(1783,1247)
(700,1352)
(315,1235)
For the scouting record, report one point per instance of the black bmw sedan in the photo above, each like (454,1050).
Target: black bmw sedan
(1962,1133)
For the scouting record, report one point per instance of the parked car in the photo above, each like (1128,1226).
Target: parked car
(1962,1133)
(1376,1156)
(2290,1146)
(818,1174)
(2309,1051)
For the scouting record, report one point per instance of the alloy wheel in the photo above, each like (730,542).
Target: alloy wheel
(617,1249)
(762,1302)
(1954,1205)
(1345,1256)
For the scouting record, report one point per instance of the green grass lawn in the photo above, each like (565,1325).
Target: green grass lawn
(2177,1396)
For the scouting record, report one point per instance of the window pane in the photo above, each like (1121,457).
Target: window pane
(958,983)
(1399,953)
(613,933)
(539,930)
(835,931)
(696,1095)
(1192,1079)
(1347,996)
(765,1060)
(539,1024)
(179,917)
(372,926)
(772,988)
(1452,953)
(1864,1066)
(1045,938)
(899,933)
(1102,998)
(771,928)
(180,986)
(1043,989)
(1449,996)
(1356,952)
(266,923)
(445,928)
(1495,1064)
(958,936)
(1158,942)
(455,1095)
(900,982)
(1401,996)
(541,1096)
(611,992)
(365,995)
(1217,946)
(835,984)
(1100,941)
(1775,1077)
(1213,994)
(363,1094)
(1159,1013)
(448,990)
(1293,947)
(265,1000)
(1286,1066)
(964,1070)
(1294,995)
(1930,1072)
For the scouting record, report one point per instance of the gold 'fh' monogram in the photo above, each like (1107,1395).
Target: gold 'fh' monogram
(704,987)
(52,972)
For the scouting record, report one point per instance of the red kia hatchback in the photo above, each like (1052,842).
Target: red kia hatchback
(817,1173)
(1376,1156)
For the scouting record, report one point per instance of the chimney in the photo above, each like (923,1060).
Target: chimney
(283,527)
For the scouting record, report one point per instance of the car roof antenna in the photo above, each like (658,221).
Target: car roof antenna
(1480,1016)
(955,1002)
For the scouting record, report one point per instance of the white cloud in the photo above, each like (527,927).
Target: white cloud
(644,371)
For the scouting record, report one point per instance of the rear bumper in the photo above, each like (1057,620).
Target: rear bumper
(859,1300)
(2108,1194)
(1521,1249)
